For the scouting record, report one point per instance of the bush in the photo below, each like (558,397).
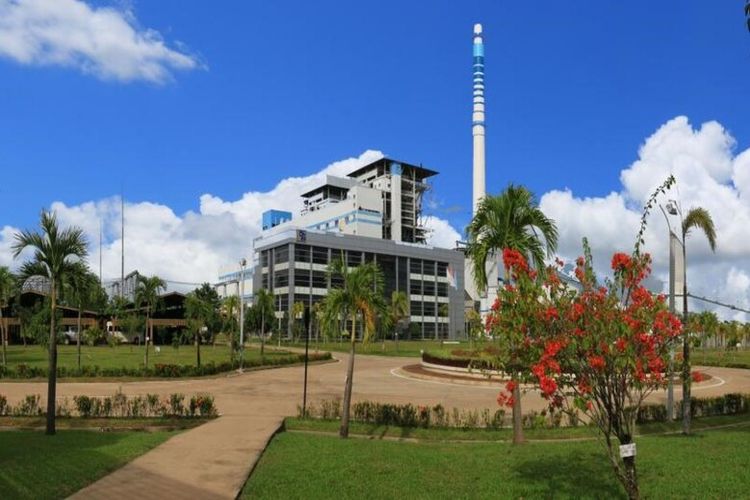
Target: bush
(161,370)
(408,415)
(728,404)
(118,406)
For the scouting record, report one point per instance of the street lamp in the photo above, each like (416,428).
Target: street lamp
(672,208)
(241,290)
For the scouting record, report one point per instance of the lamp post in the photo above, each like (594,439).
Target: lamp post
(241,290)
(672,209)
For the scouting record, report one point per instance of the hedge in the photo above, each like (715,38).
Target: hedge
(728,404)
(117,406)
(24,371)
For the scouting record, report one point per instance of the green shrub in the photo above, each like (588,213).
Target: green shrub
(118,406)
(84,405)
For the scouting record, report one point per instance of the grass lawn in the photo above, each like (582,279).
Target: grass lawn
(36,466)
(405,348)
(505,434)
(720,357)
(709,464)
(125,356)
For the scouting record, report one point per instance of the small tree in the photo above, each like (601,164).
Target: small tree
(80,286)
(264,301)
(7,290)
(358,296)
(600,352)
(202,307)
(54,251)
(147,294)
(230,310)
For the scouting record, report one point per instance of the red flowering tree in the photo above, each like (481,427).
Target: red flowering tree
(516,315)
(598,351)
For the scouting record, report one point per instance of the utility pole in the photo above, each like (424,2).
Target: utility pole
(241,290)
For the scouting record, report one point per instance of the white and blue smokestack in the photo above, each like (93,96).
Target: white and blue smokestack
(478,119)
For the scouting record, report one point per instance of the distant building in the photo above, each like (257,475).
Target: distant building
(372,215)
(128,286)
(229,281)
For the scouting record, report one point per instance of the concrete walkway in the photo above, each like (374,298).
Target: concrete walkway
(214,460)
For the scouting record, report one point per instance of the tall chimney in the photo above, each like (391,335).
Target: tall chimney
(477,127)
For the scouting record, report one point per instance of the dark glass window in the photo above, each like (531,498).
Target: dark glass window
(319,255)
(281,254)
(301,253)
(415,308)
(416,266)
(281,278)
(319,279)
(301,278)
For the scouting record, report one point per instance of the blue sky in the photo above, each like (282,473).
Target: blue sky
(289,87)
(205,114)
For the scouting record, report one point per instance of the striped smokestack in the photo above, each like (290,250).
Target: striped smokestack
(477,127)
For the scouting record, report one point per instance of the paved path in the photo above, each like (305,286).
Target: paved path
(214,460)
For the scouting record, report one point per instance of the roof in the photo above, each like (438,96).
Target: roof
(421,171)
(331,181)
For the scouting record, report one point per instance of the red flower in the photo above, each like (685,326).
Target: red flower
(514,260)
(551,313)
(548,386)
(510,386)
(620,261)
(597,362)
(621,344)
(697,376)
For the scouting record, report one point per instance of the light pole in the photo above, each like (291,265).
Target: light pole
(672,209)
(241,290)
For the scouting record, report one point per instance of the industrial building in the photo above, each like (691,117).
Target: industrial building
(371,215)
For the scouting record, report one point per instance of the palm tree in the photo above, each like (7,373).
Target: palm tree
(202,307)
(54,252)
(359,295)
(398,311)
(230,309)
(7,290)
(298,311)
(147,292)
(264,302)
(81,285)
(512,220)
(696,218)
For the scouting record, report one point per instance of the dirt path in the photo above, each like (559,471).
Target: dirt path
(214,460)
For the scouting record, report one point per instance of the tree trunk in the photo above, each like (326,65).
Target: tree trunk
(52,367)
(3,339)
(198,348)
(631,478)
(146,337)
(686,378)
(262,332)
(344,431)
(78,336)
(517,415)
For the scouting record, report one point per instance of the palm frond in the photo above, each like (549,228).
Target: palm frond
(700,218)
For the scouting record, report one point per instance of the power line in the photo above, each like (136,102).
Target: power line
(716,302)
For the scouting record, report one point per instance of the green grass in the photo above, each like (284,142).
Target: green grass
(125,356)
(709,464)
(720,357)
(37,466)
(114,423)
(505,434)
(404,348)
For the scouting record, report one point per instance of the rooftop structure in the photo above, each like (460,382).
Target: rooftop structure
(380,200)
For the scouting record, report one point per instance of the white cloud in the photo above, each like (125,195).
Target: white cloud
(442,234)
(102,41)
(708,175)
